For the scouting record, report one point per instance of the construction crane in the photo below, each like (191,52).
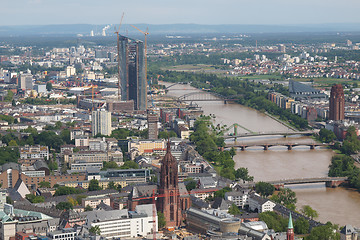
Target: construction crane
(118,52)
(145,43)
(155,196)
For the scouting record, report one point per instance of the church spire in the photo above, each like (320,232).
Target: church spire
(290,232)
(290,225)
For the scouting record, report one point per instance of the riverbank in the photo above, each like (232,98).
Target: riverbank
(338,205)
(280,121)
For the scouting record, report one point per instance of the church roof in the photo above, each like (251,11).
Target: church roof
(297,87)
(143,191)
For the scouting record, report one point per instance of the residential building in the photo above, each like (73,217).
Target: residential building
(240,198)
(349,233)
(25,81)
(34,152)
(152,119)
(101,122)
(89,156)
(259,204)
(95,201)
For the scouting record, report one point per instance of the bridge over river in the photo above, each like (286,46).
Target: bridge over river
(267,145)
(329,181)
(254,134)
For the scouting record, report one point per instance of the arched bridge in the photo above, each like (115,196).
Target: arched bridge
(329,181)
(253,134)
(205,96)
(266,146)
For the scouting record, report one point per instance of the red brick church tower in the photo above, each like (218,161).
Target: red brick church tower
(169,202)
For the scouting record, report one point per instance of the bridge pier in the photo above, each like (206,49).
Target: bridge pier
(333,183)
(279,186)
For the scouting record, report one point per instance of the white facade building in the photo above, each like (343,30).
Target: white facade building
(124,223)
(259,204)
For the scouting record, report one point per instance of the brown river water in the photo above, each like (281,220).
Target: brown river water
(338,205)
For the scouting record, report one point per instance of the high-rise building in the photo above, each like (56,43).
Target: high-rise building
(101,122)
(70,71)
(290,232)
(337,103)
(152,119)
(25,82)
(282,48)
(132,72)
(7,76)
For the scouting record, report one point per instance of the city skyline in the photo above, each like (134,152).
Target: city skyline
(278,12)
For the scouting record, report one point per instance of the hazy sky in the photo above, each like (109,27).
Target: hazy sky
(21,12)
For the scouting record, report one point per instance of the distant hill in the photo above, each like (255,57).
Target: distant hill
(85,29)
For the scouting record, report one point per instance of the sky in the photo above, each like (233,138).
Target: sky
(269,12)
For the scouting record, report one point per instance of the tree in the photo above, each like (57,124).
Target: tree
(130,165)
(234,210)
(94,185)
(243,173)
(64,190)
(95,230)
(324,232)
(232,152)
(111,185)
(264,189)
(72,201)
(191,185)
(53,165)
(44,184)
(326,135)
(221,193)
(161,220)
(274,221)
(166,134)
(49,86)
(64,206)
(111,164)
(79,198)
(285,197)
(12,143)
(9,200)
(58,125)
(88,208)
(309,212)
(301,226)
(65,136)
(35,199)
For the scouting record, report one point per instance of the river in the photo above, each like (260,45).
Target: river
(338,205)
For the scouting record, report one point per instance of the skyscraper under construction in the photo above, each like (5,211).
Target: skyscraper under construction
(132,72)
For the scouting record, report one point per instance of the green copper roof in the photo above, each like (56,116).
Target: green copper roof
(290,226)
